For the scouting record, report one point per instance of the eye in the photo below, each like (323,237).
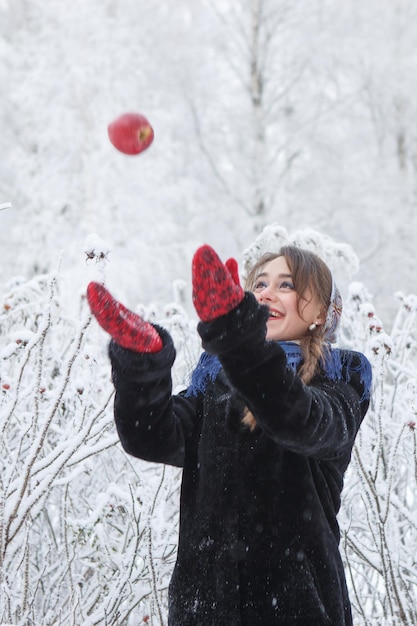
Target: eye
(259,285)
(286,284)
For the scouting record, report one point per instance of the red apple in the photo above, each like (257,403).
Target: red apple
(131,133)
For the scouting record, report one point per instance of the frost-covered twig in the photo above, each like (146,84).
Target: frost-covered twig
(380,539)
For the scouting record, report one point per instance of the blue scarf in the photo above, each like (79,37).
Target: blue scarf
(209,366)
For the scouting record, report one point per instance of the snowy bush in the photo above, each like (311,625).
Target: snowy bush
(88,535)
(379,512)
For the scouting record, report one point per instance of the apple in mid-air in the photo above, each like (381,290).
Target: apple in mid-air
(131,133)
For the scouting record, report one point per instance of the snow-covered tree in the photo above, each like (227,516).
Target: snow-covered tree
(264,111)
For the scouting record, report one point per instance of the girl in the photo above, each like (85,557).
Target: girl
(264,434)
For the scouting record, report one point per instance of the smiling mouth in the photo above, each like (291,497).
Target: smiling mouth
(275,315)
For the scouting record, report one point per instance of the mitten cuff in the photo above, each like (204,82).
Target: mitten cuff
(129,366)
(244,327)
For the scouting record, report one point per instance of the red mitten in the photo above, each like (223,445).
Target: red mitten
(215,292)
(125,327)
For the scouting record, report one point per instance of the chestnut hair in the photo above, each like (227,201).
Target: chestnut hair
(311,278)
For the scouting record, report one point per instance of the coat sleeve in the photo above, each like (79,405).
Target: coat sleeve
(319,420)
(152,424)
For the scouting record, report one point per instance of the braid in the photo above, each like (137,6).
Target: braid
(313,348)
(248,419)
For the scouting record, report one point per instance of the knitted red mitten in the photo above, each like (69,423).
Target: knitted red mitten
(125,327)
(215,291)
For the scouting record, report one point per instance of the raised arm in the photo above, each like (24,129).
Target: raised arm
(320,419)
(152,424)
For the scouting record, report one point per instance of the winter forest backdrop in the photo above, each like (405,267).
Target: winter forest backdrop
(301,114)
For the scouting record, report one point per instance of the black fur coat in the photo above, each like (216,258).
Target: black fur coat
(258,542)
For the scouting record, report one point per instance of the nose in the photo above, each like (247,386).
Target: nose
(267,294)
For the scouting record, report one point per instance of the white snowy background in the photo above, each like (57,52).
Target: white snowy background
(300,115)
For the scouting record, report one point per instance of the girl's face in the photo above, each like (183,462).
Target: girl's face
(274,288)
